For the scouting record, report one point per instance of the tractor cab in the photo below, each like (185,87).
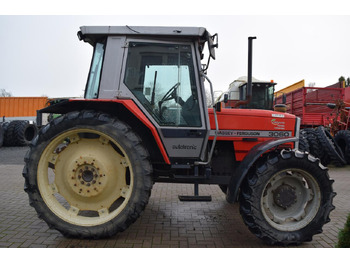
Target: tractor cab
(262,98)
(160,70)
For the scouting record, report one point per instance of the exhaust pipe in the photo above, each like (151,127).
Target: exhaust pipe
(250,66)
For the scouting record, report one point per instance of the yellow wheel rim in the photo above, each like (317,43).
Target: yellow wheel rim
(85,177)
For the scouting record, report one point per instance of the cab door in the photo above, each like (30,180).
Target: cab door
(162,78)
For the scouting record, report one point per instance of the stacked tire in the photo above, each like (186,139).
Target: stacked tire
(326,147)
(1,136)
(342,138)
(18,132)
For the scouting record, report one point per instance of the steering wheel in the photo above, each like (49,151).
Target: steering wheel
(171,94)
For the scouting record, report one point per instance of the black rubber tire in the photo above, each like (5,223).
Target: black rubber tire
(24,133)
(331,148)
(1,135)
(139,163)
(342,138)
(303,142)
(315,146)
(10,137)
(253,190)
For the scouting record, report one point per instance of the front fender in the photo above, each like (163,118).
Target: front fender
(248,161)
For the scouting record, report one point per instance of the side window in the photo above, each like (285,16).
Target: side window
(161,76)
(95,72)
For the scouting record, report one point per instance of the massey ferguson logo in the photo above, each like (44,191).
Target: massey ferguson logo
(186,147)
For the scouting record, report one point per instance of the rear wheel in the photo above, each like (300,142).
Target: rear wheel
(287,198)
(88,175)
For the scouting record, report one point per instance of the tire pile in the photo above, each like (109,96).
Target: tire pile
(330,150)
(17,133)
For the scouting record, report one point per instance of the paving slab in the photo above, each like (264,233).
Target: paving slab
(166,221)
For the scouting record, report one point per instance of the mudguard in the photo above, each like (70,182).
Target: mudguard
(248,161)
(64,106)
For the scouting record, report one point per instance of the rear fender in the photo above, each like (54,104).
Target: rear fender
(247,163)
(110,106)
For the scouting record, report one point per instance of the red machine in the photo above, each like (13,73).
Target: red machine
(310,104)
(144,119)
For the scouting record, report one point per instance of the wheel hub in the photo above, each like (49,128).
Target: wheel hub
(87,179)
(284,196)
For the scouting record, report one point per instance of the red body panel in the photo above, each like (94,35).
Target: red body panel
(249,127)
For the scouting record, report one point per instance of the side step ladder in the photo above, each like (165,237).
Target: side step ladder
(196,197)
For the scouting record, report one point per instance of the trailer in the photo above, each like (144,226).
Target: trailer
(325,119)
(314,105)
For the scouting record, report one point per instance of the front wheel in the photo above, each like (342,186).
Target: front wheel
(88,175)
(287,198)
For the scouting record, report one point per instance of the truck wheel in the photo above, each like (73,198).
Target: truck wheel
(342,138)
(330,146)
(287,198)
(87,175)
(24,132)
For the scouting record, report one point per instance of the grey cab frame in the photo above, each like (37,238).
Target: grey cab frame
(185,130)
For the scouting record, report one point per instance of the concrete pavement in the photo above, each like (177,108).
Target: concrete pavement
(166,222)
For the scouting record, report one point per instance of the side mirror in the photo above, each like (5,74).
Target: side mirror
(225,98)
(218,107)
(212,44)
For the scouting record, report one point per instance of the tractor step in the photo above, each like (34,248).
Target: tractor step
(195,197)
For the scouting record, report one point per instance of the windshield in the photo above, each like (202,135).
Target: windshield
(162,78)
(262,97)
(91,91)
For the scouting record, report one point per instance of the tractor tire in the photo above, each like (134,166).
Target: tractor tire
(1,135)
(315,146)
(10,137)
(303,142)
(88,175)
(342,138)
(287,198)
(24,133)
(331,148)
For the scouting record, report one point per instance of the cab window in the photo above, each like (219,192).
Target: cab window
(161,76)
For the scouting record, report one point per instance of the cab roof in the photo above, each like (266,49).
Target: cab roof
(92,34)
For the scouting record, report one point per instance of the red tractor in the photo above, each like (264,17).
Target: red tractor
(144,119)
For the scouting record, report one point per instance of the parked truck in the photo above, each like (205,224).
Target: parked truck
(144,120)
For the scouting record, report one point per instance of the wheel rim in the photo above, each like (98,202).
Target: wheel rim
(85,177)
(290,200)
